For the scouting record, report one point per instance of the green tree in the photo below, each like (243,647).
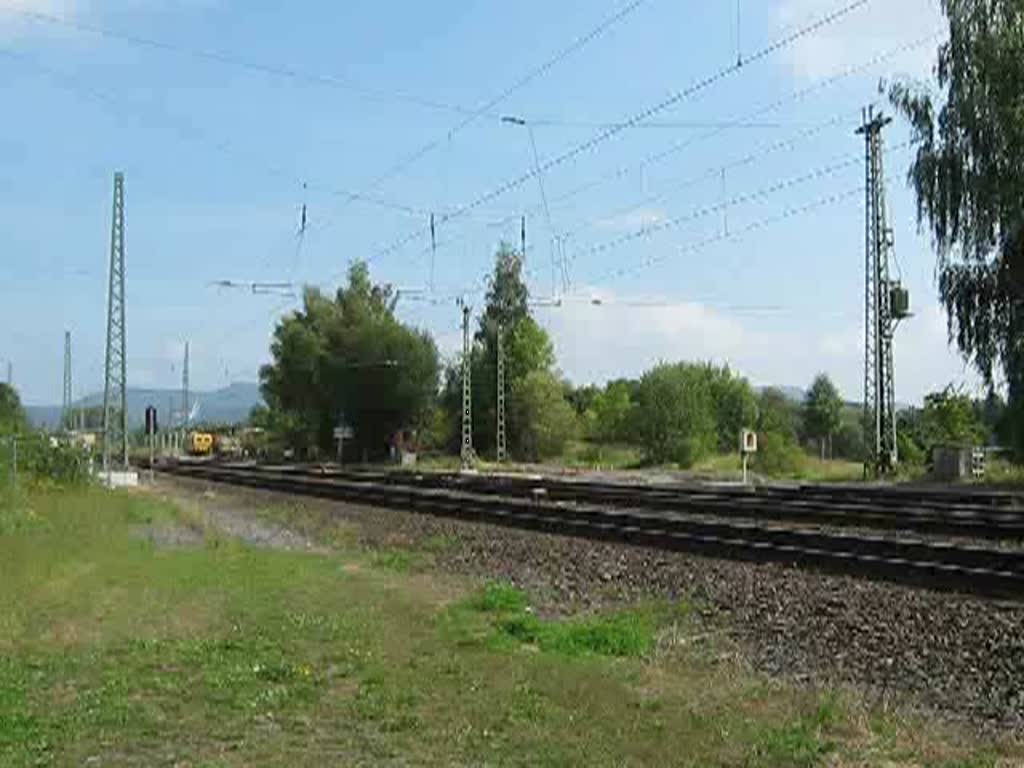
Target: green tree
(12,415)
(968,177)
(349,358)
(582,398)
(778,450)
(611,414)
(823,410)
(735,406)
(545,418)
(675,414)
(527,349)
(948,418)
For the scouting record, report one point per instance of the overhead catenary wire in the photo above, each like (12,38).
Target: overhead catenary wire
(187,131)
(603,136)
(663,155)
(239,62)
(664,225)
(700,176)
(736,234)
(503,96)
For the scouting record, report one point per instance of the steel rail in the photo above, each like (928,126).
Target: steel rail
(933,513)
(943,566)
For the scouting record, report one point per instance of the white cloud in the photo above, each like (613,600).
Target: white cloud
(875,28)
(633,221)
(596,343)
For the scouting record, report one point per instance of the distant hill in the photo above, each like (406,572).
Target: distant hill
(230,405)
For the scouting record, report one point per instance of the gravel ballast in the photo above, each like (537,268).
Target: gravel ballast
(961,656)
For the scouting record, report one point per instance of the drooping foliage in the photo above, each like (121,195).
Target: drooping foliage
(968,177)
(348,359)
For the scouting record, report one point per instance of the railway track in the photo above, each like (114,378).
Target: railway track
(992,516)
(697,522)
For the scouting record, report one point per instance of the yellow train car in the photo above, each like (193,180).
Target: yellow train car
(200,444)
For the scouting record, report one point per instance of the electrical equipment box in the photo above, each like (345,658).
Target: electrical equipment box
(899,302)
(748,442)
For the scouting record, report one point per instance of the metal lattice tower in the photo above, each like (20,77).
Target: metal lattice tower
(467,454)
(502,452)
(879,319)
(115,399)
(68,417)
(186,410)
(522,238)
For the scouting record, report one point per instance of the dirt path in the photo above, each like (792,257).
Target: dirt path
(224,513)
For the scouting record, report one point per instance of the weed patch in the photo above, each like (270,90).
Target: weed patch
(623,634)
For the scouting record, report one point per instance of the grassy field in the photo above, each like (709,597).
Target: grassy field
(205,652)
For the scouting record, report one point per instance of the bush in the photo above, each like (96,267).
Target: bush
(848,442)
(675,416)
(545,421)
(777,454)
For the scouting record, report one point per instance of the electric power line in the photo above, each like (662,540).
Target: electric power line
(663,155)
(238,62)
(483,110)
(760,194)
(737,235)
(642,116)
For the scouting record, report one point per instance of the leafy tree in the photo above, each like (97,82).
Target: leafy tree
(948,418)
(849,441)
(527,349)
(777,413)
(582,398)
(735,406)
(823,409)
(545,418)
(675,415)
(968,176)
(611,414)
(778,450)
(349,357)
(12,415)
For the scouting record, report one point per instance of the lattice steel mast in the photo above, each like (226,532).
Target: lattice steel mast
(115,399)
(885,304)
(467,454)
(502,452)
(186,411)
(68,416)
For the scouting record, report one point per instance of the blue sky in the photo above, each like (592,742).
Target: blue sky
(220,158)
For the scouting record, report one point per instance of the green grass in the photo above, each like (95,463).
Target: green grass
(810,469)
(115,652)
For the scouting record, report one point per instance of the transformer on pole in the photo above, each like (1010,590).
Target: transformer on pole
(502,452)
(885,304)
(115,399)
(67,413)
(466,453)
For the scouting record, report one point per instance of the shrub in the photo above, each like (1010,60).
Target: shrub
(544,420)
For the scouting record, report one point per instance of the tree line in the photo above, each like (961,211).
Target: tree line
(348,361)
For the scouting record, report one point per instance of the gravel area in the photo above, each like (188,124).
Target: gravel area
(961,656)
